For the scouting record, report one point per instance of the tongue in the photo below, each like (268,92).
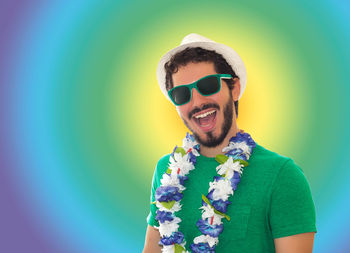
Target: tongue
(206,120)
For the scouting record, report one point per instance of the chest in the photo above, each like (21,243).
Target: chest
(248,208)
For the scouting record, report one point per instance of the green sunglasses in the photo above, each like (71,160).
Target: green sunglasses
(206,86)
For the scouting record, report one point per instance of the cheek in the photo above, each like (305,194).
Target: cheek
(218,98)
(182,111)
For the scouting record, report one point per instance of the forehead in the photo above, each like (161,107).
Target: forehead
(192,72)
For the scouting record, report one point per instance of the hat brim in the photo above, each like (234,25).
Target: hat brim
(228,53)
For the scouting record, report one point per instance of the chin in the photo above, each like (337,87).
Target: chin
(211,138)
(208,139)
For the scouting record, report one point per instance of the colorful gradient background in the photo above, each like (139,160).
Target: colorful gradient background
(83,121)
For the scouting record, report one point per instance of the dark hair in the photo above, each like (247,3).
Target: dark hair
(198,54)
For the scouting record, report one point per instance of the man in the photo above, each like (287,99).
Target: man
(267,207)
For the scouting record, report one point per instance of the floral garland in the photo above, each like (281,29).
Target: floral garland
(214,205)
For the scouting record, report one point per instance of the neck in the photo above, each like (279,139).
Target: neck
(213,151)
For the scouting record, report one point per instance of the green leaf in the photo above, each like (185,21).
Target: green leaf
(221,158)
(223,214)
(178,248)
(180,150)
(206,200)
(168,205)
(244,163)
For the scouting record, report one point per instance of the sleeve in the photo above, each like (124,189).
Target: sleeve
(292,210)
(160,169)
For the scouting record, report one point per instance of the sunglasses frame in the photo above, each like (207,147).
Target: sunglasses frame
(194,85)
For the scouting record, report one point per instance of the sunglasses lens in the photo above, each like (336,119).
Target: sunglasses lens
(209,85)
(181,95)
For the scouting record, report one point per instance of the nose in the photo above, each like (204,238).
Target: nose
(197,98)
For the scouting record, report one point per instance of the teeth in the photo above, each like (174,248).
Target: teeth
(204,114)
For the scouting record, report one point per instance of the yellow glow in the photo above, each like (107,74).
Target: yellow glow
(265,110)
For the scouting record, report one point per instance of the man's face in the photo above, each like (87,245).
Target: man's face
(209,118)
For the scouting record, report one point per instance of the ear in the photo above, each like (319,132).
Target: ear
(236,90)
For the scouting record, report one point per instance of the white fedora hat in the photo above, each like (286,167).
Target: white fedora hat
(196,40)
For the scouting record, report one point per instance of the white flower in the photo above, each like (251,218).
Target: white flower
(180,162)
(176,207)
(195,152)
(171,180)
(168,249)
(189,144)
(171,248)
(206,238)
(229,167)
(168,227)
(222,189)
(240,145)
(208,213)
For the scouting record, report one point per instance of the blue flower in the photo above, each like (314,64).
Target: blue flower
(210,195)
(193,158)
(176,237)
(236,153)
(240,137)
(236,175)
(203,203)
(217,178)
(172,153)
(207,229)
(189,137)
(162,216)
(221,205)
(196,147)
(182,179)
(235,180)
(202,248)
(245,137)
(167,193)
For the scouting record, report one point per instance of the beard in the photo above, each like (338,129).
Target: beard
(211,140)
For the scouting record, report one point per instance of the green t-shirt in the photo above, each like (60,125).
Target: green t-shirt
(272,200)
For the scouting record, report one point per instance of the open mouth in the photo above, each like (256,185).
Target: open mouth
(206,119)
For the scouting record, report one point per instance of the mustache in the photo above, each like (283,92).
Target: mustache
(204,107)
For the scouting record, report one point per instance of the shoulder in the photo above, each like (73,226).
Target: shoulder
(291,209)
(283,173)
(161,167)
(164,160)
(273,166)
(163,163)
(268,158)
